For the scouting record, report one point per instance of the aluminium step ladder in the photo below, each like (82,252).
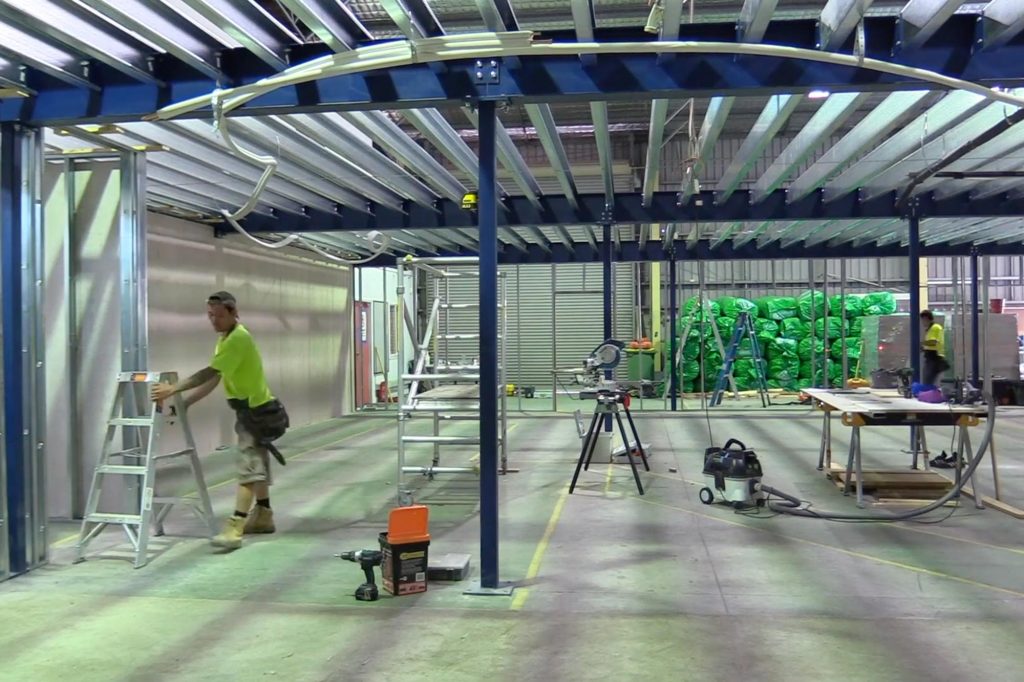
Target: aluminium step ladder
(680,344)
(744,329)
(141,423)
(444,379)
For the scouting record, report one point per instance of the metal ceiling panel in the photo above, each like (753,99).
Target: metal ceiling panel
(1003,21)
(652,166)
(838,20)
(386,133)
(875,126)
(165,29)
(304,173)
(221,161)
(897,175)
(754,18)
(773,116)
(1004,153)
(273,138)
(544,123)
(951,110)
(511,159)
(78,29)
(413,17)
(331,21)
(832,113)
(43,55)
(360,156)
(251,26)
(920,19)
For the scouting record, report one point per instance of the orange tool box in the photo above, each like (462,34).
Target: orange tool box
(405,546)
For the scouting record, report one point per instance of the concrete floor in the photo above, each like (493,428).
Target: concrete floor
(610,584)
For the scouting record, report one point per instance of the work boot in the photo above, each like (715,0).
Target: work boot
(231,536)
(261,520)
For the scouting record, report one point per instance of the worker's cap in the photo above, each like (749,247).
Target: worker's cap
(223,298)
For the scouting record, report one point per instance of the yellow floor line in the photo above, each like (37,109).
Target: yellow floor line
(519,599)
(848,552)
(74,536)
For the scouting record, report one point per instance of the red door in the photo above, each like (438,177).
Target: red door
(364,355)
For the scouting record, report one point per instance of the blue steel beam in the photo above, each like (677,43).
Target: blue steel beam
(630,210)
(633,252)
(548,79)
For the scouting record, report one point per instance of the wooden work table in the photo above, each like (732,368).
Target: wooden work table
(862,407)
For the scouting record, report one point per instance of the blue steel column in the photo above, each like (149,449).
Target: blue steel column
(914,253)
(606,267)
(606,261)
(975,310)
(673,386)
(488,217)
(12,163)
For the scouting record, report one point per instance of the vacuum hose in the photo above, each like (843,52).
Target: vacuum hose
(796,507)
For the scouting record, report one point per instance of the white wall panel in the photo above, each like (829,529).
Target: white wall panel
(298,310)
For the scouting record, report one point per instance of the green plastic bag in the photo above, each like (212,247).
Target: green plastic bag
(777,307)
(690,370)
(782,348)
(725,327)
(687,386)
(784,369)
(856,327)
(806,307)
(836,328)
(766,330)
(732,306)
(880,303)
(694,308)
(852,349)
(794,328)
(804,348)
(854,306)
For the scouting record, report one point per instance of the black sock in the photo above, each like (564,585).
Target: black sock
(241,515)
(263,503)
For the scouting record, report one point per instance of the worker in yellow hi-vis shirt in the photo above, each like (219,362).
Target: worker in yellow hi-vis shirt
(933,348)
(236,361)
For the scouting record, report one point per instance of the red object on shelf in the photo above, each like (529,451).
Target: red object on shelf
(995,305)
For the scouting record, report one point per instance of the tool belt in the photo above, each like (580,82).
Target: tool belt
(266,423)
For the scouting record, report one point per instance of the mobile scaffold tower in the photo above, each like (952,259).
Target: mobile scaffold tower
(444,379)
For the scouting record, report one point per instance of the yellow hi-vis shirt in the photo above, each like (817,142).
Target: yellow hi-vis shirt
(936,334)
(241,369)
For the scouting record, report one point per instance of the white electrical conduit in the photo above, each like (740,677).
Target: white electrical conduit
(496,45)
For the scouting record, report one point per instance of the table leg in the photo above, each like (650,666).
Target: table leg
(828,440)
(915,444)
(849,462)
(860,470)
(995,469)
(824,436)
(969,455)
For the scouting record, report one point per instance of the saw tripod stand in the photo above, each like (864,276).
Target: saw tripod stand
(611,404)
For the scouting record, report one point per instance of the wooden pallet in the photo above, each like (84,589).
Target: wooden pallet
(903,485)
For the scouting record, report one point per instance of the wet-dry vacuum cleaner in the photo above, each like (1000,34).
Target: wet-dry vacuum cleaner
(732,475)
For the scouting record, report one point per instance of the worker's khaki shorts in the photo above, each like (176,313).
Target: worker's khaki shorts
(253,460)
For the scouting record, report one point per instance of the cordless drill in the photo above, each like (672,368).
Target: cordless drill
(367,559)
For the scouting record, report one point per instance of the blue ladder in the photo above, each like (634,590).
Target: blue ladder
(744,329)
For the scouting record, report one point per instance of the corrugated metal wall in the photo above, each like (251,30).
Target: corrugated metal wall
(753,279)
(1006,279)
(554,316)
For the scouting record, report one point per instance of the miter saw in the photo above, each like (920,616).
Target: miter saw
(604,358)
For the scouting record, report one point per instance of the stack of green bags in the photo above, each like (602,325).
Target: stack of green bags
(787,328)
